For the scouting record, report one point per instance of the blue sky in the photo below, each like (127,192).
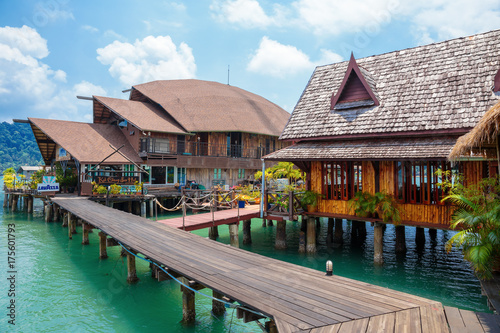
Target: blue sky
(53,50)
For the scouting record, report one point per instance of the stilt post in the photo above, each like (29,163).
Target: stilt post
(311,235)
(233,235)
(131,271)
(400,239)
(103,253)
(85,233)
(280,241)
(188,303)
(247,235)
(218,308)
(378,235)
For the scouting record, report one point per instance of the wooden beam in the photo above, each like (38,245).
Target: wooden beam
(247,316)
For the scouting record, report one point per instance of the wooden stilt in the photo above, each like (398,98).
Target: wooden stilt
(55,212)
(15,201)
(103,253)
(218,308)
(271,327)
(233,235)
(247,235)
(433,234)
(400,239)
(151,208)
(188,303)
(338,235)
(132,273)
(329,231)
(25,203)
(85,233)
(302,242)
(264,224)
(213,233)
(420,237)
(378,235)
(143,209)
(71,220)
(270,223)
(65,219)
(74,221)
(30,204)
(5,200)
(48,211)
(11,200)
(362,229)
(311,235)
(129,207)
(354,229)
(318,223)
(280,241)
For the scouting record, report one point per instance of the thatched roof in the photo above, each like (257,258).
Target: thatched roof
(481,140)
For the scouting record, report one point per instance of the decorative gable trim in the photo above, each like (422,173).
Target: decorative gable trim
(353,76)
(496,86)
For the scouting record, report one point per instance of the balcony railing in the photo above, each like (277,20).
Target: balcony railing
(169,147)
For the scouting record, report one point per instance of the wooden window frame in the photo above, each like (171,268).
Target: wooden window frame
(338,179)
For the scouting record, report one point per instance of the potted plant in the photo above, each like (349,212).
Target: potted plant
(309,200)
(115,189)
(378,205)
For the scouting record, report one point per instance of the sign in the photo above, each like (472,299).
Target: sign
(48,187)
(110,180)
(49,179)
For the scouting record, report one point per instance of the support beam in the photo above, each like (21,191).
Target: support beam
(270,223)
(218,308)
(65,219)
(378,237)
(432,234)
(71,221)
(55,213)
(302,242)
(15,199)
(338,235)
(329,231)
(5,200)
(213,233)
(131,271)
(85,233)
(311,235)
(151,208)
(188,303)
(247,235)
(233,235)
(264,224)
(73,224)
(280,241)
(400,239)
(48,211)
(143,209)
(30,204)
(420,237)
(103,253)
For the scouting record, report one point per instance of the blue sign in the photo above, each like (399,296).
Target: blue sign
(48,187)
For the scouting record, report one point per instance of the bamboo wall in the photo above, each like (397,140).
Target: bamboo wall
(411,214)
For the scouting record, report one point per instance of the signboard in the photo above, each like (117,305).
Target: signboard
(110,180)
(49,184)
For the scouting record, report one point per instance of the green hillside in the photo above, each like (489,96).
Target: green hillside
(18,146)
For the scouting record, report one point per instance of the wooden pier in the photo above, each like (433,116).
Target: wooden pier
(294,298)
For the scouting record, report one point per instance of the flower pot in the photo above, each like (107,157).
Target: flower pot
(241,204)
(312,209)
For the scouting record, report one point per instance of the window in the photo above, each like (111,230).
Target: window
(341,179)
(241,173)
(158,145)
(128,167)
(217,173)
(181,175)
(417,182)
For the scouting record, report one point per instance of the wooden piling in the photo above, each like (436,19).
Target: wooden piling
(129,207)
(15,201)
(280,241)
(85,233)
(432,234)
(378,235)
(30,204)
(420,237)
(188,303)
(213,233)
(65,219)
(264,224)
(218,308)
(270,223)
(400,239)
(103,253)
(329,231)
(247,235)
(311,235)
(143,209)
(338,235)
(71,222)
(5,200)
(233,235)
(55,213)
(151,208)
(302,242)
(131,271)
(48,211)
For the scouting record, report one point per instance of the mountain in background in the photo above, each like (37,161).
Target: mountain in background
(18,146)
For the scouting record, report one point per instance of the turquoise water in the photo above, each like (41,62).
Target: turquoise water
(62,285)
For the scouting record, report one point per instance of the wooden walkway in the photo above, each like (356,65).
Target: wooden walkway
(206,220)
(298,299)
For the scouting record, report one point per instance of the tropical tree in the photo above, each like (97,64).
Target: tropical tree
(281,170)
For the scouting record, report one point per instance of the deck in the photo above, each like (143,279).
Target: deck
(206,220)
(298,299)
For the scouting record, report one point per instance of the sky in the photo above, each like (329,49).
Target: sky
(53,50)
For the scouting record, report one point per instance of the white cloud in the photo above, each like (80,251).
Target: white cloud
(278,60)
(114,35)
(153,58)
(246,13)
(90,28)
(30,86)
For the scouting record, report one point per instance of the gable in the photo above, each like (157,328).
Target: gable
(496,86)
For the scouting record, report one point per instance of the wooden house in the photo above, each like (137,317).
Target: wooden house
(388,122)
(176,130)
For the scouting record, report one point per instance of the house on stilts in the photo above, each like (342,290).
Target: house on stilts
(387,123)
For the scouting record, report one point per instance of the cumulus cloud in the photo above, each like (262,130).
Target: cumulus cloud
(30,85)
(278,60)
(153,58)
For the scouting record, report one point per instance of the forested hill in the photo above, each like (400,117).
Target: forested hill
(18,146)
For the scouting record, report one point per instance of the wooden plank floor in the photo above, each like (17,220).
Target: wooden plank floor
(297,298)
(205,220)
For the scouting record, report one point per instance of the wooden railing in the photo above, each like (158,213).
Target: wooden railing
(282,203)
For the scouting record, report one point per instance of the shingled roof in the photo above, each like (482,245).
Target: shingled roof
(443,87)
(204,106)
(88,143)
(145,116)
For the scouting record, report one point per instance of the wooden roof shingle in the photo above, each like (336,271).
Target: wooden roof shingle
(441,87)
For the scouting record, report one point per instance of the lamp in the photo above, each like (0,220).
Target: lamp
(329,268)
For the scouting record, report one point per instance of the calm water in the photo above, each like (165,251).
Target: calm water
(62,286)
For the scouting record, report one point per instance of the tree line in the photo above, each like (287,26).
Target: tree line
(18,146)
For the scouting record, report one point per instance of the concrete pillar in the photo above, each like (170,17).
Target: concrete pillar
(302,242)
(213,233)
(280,241)
(400,239)
(151,208)
(420,237)
(132,273)
(218,308)
(233,235)
(143,208)
(85,233)
(247,235)
(103,253)
(338,235)
(311,235)
(378,235)
(188,303)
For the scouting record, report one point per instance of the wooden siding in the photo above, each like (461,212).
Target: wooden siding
(368,177)
(386,174)
(353,90)
(473,172)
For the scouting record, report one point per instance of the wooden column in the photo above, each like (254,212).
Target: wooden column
(85,233)
(362,229)
(132,273)
(329,231)
(420,237)
(55,212)
(30,204)
(400,239)
(15,199)
(5,200)
(129,207)
(74,221)
(103,253)
(48,211)
(11,200)
(188,303)
(280,241)
(270,223)
(247,235)
(302,242)
(213,233)
(218,308)
(338,236)
(151,208)
(311,235)
(264,224)
(71,221)
(65,219)
(378,235)
(432,234)
(233,235)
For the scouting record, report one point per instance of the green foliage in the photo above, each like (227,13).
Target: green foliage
(281,170)
(382,204)
(37,178)
(18,146)
(310,198)
(115,189)
(478,217)
(9,171)
(66,178)
(101,189)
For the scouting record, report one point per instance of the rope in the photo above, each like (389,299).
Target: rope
(176,207)
(227,304)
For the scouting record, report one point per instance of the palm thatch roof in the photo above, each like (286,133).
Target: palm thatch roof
(482,139)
